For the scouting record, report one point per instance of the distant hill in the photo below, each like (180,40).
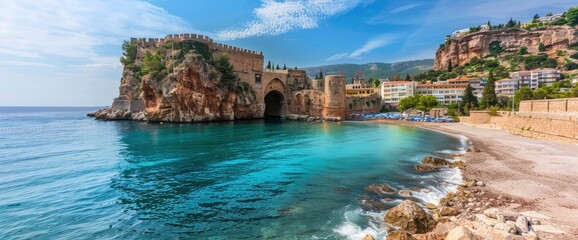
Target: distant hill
(374,70)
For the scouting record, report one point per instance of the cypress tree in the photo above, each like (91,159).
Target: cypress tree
(320,73)
(269,64)
(284,67)
(489,97)
(277,67)
(450,68)
(407,77)
(469,100)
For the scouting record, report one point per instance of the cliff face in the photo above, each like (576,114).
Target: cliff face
(195,94)
(461,50)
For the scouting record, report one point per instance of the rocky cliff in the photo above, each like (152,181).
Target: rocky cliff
(192,88)
(459,51)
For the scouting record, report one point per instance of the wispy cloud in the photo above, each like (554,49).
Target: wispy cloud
(406,7)
(337,56)
(75,29)
(375,43)
(274,18)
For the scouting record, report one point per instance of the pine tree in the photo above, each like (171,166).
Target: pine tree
(269,64)
(407,77)
(277,68)
(510,23)
(489,97)
(469,100)
(284,67)
(536,16)
(450,68)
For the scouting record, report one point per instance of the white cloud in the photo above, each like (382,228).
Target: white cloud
(274,18)
(66,52)
(373,44)
(369,46)
(75,29)
(406,7)
(337,56)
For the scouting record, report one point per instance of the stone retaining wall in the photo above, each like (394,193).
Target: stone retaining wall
(550,105)
(129,105)
(562,127)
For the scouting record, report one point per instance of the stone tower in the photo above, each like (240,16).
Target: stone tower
(334,105)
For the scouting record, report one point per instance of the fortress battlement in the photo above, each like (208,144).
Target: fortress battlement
(151,42)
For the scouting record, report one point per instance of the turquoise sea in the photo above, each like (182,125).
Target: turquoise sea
(67,176)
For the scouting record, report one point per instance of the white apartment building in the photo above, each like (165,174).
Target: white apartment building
(533,78)
(392,92)
(506,87)
(445,93)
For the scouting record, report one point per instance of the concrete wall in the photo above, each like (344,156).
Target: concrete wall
(564,105)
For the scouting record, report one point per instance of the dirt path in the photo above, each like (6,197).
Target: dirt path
(541,173)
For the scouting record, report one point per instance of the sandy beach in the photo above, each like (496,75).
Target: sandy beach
(537,175)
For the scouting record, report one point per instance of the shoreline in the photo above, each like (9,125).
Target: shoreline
(517,174)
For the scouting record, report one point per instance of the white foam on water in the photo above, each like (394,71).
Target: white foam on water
(352,230)
(451,178)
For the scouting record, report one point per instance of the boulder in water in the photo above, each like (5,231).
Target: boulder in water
(410,217)
(423,167)
(435,161)
(379,189)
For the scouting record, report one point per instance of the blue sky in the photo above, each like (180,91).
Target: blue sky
(66,52)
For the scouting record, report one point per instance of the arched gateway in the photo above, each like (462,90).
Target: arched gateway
(275,101)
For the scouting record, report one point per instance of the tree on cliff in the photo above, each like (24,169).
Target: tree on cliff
(269,64)
(228,76)
(523,50)
(510,24)
(572,16)
(541,47)
(128,54)
(469,100)
(489,95)
(450,68)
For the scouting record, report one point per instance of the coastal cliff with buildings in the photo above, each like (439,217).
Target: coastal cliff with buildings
(191,78)
(461,48)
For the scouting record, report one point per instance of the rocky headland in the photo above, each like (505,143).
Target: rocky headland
(459,51)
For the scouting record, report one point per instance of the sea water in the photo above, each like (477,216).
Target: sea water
(67,176)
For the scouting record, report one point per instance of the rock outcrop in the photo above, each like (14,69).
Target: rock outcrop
(461,50)
(195,94)
(410,217)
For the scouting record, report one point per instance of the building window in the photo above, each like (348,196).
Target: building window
(257,78)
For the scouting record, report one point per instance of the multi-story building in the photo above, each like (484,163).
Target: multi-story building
(392,92)
(506,87)
(533,78)
(445,93)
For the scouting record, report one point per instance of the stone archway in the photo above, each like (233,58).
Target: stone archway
(274,104)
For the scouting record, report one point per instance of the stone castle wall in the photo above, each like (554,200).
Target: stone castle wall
(363,104)
(317,98)
(335,99)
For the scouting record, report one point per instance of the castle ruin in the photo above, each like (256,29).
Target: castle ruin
(278,93)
